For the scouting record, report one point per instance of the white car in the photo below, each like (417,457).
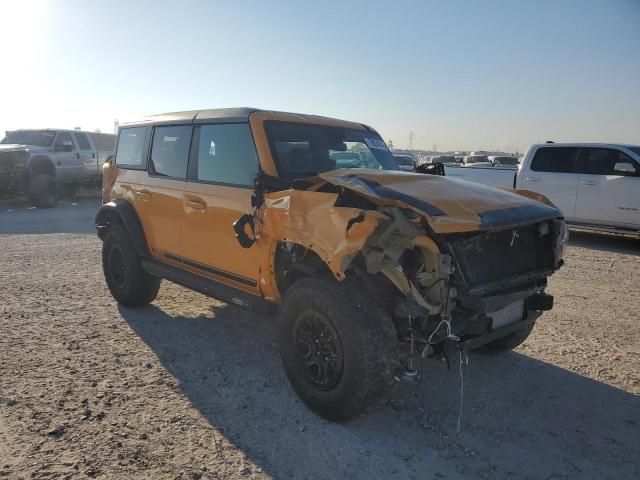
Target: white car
(597,186)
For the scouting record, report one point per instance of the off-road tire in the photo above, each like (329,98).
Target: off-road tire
(43,191)
(367,337)
(128,282)
(508,342)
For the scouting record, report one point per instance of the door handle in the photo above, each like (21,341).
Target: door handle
(532,179)
(195,205)
(588,182)
(142,195)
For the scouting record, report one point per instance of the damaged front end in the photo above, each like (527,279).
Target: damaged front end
(454,265)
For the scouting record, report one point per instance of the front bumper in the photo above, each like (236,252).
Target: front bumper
(476,342)
(12,180)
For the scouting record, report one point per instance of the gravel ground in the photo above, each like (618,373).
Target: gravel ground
(192,388)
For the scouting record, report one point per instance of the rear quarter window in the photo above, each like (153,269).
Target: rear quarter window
(130,150)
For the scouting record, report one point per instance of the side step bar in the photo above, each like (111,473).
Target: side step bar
(603,229)
(209,287)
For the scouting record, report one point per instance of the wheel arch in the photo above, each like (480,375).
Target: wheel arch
(293,261)
(41,164)
(121,212)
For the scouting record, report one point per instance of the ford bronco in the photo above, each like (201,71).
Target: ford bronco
(371,268)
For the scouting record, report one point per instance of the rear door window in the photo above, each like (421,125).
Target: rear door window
(601,161)
(82,141)
(170,151)
(555,159)
(63,140)
(226,154)
(130,151)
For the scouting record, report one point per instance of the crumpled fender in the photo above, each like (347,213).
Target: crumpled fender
(310,219)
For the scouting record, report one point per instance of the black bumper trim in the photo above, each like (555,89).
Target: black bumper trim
(476,342)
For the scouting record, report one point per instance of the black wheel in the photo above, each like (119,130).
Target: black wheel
(128,282)
(339,349)
(43,191)
(508,342)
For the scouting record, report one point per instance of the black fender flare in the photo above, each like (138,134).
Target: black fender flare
(40,159)
(122,212)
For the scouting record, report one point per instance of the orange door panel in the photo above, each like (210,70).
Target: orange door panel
(210,245)
(159,206)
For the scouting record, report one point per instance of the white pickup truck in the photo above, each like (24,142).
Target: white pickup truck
(596,185)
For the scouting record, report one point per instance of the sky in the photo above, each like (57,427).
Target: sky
(460,74)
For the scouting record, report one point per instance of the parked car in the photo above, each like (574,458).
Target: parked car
(406,163)
(476,160)
(39,162)
(504,161)
(595,185)
(370,268)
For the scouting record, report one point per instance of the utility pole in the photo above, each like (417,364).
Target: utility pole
(116,125)
(412,136)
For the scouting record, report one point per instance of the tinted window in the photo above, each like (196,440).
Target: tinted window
(601,161)
(83,141)
(226,154)
(131,147)
(63,138)
(555,159)
(170,151)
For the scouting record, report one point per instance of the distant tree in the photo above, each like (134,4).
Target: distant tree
(390,144)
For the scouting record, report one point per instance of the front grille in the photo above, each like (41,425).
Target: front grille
(493,256)
(6,162)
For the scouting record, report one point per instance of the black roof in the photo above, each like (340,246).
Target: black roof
(198,116)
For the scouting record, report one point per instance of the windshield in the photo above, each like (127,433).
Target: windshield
(41,138)
(301,150)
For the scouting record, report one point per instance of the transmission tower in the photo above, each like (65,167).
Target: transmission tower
(412,136)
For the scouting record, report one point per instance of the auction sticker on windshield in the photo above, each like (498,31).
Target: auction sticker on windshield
(376,143)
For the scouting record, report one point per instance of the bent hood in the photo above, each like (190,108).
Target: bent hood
(449,205)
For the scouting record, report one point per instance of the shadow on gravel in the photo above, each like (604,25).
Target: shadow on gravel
(69,216)
(605,242)
(522,418)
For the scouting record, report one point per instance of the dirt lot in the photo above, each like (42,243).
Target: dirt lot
(192,388)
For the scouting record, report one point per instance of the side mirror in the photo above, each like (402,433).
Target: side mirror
(624,167)
(63,147)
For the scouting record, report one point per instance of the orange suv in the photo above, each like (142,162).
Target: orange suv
(371,267)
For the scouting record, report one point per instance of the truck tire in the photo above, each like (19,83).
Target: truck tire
(508,342)
(128,282)
(43,191)
(337,346)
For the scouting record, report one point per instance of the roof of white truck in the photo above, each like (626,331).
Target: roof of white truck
(585,144)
